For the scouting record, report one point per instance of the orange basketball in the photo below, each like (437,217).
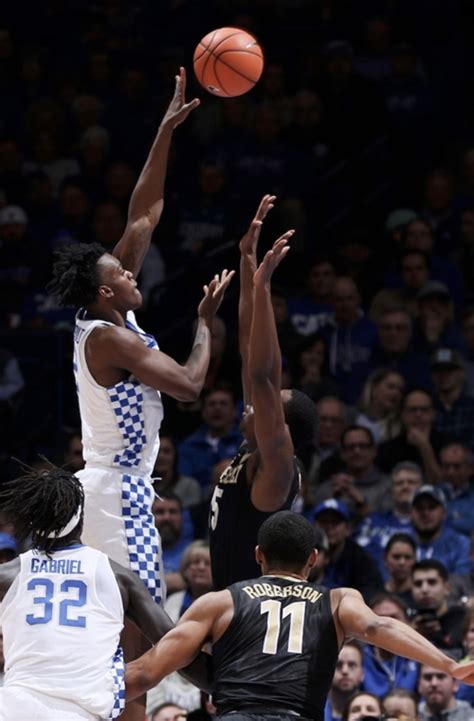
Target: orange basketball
(228,62)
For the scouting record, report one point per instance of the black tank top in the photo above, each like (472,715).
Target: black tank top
(234,523)
(280,649)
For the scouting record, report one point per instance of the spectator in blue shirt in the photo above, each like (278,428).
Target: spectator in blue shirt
(434,537)
(175,536)
(217,438)
(457,466)
(378,527)
(347,679)
(384,671)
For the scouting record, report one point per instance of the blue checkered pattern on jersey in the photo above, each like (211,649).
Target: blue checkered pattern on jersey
(127,399)
(142,537)
(118,668)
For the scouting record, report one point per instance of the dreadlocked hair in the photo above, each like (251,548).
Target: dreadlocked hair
(75,277)
(41,503)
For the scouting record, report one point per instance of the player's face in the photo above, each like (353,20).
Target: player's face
(117,284)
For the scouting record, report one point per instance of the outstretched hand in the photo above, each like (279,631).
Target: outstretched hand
(272,260)
(248,243)
(213,295)
(179,109)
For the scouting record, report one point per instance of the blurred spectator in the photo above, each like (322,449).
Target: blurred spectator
(361,706)
(435,539)
(415,272)
(311,311)
(167,478)
(351,338)
(378,527)
(468,333)
(440,622)
(465,692)
(47,158)
(196,571)
(437,691)
(438,207)
(217,438)
(307,133)
(168,513)
(288,338)
(454,408)
(384,671)
(349,564)
(399,559)
(418,440)
(72,457)
(463,256)
(168,711)
(457,469)
(435,326)
(418,235)
(8,547)
(360,484)
(333,419)
(347,679)
(75,208)
(310,371)
(395,348)
(380,404)
(399,704)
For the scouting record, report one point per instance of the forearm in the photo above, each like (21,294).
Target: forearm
(401,639)
(430,464)
(147,198)
(197,363)
(265,355)
(247,269)
(200,672)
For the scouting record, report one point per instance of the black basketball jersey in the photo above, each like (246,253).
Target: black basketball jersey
(280,649)
(234,523)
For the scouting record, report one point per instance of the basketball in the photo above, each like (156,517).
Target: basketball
(228,62)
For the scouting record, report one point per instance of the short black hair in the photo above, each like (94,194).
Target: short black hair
(351,429)
(431,564)
(400,538)
(301,416)
(75,276)
(41,503)
(287,539)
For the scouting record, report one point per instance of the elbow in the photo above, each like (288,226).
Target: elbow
(374,627)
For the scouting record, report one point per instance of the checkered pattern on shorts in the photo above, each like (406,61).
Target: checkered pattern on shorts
(144,548)
(118,668)
(127,399)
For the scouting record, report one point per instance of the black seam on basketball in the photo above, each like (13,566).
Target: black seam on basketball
(209,54)
(251,80)
(217,76)
(200,56)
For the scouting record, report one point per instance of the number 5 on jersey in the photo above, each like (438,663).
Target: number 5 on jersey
(296,613)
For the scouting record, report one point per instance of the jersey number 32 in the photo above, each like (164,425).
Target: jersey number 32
(58,602)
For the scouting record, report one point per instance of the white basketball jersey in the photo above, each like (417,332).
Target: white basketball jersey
(61,622)
(121,423)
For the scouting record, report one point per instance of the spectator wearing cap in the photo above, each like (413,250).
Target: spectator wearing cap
(349,564)
(360,484)
(457,465)
(454,408)
(395,349)
(434,537)
(8,547)
(379,526)
(418,441)
(435,327)
(436,619)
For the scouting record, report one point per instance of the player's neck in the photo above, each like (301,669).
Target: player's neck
(97,311)
(284,573)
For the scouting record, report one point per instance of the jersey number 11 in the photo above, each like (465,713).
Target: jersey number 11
(296,613)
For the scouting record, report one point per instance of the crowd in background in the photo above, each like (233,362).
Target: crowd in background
(363,126)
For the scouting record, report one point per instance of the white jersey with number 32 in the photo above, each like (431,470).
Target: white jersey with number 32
(61,622)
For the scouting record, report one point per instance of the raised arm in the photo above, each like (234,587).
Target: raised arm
(146,203)
(275,472)
(180,646)
(113,350)
(248,266)
(356,619)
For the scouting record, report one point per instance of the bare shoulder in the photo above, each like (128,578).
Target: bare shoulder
(110,336)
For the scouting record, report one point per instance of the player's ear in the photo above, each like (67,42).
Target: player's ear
(312,558)
(258,555)
(105,291)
